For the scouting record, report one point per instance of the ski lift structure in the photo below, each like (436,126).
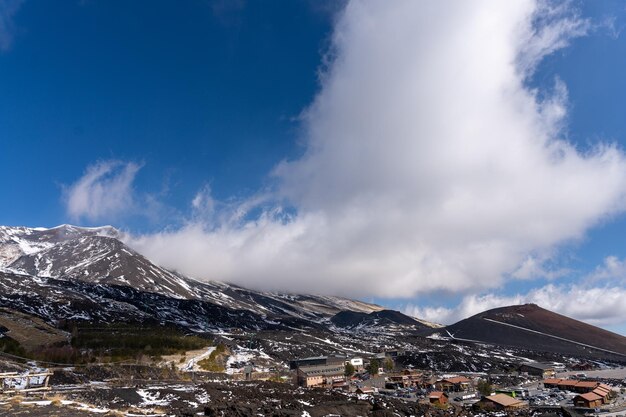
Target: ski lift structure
(14,382)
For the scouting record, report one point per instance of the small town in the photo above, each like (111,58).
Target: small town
(540,389)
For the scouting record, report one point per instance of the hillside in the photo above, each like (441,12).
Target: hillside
(532,327)
(353,319)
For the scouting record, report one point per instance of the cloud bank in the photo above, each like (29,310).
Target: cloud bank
(429,165)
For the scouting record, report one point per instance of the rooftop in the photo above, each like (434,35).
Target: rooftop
(503,400)
(457,380)
(569,382)
(590,396)
(587,384)
(323,370)
(539,365)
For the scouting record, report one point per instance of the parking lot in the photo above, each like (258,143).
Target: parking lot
(612,373)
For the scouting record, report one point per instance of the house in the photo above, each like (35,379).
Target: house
(588,400)
(543,370)
(365,390)
(438,397)
(454,384)
(551,382)
(320,375)
(584,366)
(604,391)
(407,379)
(502,402)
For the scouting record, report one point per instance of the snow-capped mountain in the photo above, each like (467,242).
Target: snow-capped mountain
(70,272)
(20,241)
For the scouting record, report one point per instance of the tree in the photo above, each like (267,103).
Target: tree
(349,371)
(372,368)
(484,387)
(388,365)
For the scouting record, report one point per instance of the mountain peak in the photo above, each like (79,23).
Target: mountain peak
(534,327)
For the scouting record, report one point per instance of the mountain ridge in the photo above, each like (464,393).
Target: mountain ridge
(69,273)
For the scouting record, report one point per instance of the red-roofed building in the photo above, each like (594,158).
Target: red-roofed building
(454,384)
(438,397)
(586,386)
(502,402)
(568,384)
(551,382)
(588,400)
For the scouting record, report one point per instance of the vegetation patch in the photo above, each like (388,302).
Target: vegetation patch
(11,346)
(216,362)
(118,342)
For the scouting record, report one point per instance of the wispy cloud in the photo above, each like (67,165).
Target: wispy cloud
(613,269)
(8,9)
(105,191)
(430,164)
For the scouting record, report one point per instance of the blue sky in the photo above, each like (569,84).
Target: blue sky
(349,148)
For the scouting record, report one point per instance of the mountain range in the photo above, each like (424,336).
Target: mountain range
(70,273)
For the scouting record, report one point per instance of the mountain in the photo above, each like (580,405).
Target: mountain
(529,326)
(353,319)
(67,275)
(72,273)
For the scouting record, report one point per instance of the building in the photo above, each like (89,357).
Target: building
(365,390)
(454,384)
(356,362)
(318,360)
(551,382)
(502,402)
(584,366)
(588,400)
(567,384)
(603,391)
(320,375)
(438,397)
(585,386)
(407,379)
(543,370)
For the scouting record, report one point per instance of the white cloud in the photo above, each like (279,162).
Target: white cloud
(612,269)
(105,191)
(534,267)
(8,9)
(429,164)
(601,305)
